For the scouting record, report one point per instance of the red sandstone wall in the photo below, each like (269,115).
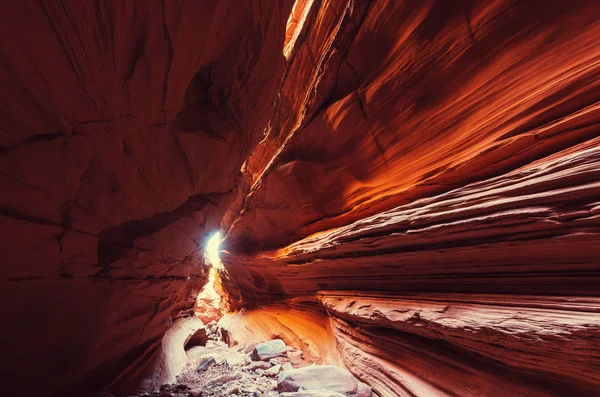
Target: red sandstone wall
(426,170)
(123,126)
(448,150)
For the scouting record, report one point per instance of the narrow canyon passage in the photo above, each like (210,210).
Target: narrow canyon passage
(404,197)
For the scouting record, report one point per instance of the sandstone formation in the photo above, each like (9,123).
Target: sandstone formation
(434,182)
(208,307)
(409,189)
(122,132)
(305,326)
(172,356)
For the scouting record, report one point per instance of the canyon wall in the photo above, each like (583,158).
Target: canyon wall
(409,188)
(123,127)
(431,176)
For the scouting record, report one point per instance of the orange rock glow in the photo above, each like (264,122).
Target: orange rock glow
(408,189)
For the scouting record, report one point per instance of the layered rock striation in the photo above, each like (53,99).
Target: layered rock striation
(409,189)
(434,184)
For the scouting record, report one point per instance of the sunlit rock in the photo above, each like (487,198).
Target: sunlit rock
(407,189)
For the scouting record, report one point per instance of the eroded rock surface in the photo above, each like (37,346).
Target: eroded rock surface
(430,174)
(122,132)
(408,188)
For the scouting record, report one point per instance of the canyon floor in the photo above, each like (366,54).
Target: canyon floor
(409,190)
(257,369)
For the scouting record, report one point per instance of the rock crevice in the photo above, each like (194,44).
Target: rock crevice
(408,189)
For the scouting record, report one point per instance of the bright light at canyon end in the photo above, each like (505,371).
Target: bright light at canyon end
(211,254)
(406,196)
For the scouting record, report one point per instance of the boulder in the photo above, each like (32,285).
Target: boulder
(322,377)
(197,338)
(287,367)
(312,393)
(268,350)
(196,392)
(233,389)
(205,364)
(238,360)
(221,380)
(258,365)
(273,371)
(248,347)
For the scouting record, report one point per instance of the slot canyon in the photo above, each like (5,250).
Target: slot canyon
(407,194)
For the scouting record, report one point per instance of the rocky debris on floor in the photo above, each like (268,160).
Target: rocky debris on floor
(258,365)
(268,369)
(322,377)
(238,360)
(274,370)
(248,347)
(212,331)
(221,380)
(168,391)
(312,393)
(212,327)
(205,364)
(268,350)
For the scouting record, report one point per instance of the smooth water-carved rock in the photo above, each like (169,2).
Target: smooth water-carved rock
(172,356)
(408,189)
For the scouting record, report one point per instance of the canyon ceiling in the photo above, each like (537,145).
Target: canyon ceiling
(407,188)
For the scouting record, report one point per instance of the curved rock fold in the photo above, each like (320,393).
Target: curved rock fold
(410,191)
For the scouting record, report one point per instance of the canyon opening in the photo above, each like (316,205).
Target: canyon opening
(212,255)
(310,198)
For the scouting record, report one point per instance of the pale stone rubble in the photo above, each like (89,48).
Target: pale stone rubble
(267,369)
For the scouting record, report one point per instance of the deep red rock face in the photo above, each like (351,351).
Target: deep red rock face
(414,182)
(122,132)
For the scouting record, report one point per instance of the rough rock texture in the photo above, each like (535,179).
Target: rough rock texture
(411,186)
(122,132)
(486,344)
(234,374)
(389,102)
(208,306)
(304,326)
(522,232)
(432,172)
